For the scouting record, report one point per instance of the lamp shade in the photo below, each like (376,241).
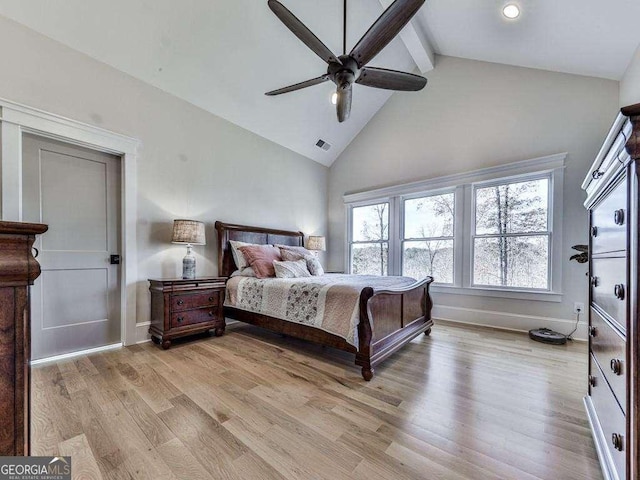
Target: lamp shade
(188,231)
(316,243)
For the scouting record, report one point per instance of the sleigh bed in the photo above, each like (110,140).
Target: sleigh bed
(386,318)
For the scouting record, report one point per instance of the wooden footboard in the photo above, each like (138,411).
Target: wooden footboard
(389,319)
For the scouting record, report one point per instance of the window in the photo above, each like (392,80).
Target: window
(427,245)
(511,241)
(492,232)
(370,239)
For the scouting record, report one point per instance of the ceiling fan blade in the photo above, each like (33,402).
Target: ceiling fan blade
(298,86)
(384,29)
(391,79)
(343,105)
(302,32)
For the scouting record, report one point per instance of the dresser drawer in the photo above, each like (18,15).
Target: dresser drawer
(609,348)
(188,301)
(190,317)
(609,221)
(609,287)
(610,417)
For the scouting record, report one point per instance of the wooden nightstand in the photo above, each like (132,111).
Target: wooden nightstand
(185,307)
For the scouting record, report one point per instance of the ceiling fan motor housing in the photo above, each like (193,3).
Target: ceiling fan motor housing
(345,74)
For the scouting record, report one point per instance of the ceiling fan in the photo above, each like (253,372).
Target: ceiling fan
(346,69)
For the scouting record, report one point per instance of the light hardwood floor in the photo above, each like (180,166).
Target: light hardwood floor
(464,403)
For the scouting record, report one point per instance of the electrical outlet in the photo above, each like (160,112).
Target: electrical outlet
(578,307)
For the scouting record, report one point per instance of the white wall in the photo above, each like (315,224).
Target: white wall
(473,115)
(192,164)
(630,83)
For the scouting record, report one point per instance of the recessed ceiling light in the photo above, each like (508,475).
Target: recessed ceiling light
(511,11)
(334,97)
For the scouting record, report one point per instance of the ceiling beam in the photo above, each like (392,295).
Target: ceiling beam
(417,44)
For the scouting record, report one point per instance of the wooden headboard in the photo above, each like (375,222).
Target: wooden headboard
(244,233)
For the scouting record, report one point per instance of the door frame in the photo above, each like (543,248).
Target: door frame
(16,119)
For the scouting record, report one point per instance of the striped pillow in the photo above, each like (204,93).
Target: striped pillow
(295,269)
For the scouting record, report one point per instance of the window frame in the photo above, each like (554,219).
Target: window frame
(401,237)
(548,232)
(464,223)
(351,242)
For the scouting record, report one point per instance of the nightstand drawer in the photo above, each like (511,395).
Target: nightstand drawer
(188,301)
(190,317)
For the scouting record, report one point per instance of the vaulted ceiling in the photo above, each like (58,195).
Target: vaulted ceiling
(222,55)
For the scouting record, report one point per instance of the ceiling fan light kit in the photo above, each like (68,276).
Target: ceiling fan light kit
(347,69)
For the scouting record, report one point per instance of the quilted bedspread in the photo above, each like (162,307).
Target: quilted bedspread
(329,302)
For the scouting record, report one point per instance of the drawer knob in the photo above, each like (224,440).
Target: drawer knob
(616,366)
(180,302)
(180,319)
(618,217)
(593,331)
(594,281)
(211,299)
(596,174)
(592,380)
(211,314)
(617,441)
(594,231)
(618,291)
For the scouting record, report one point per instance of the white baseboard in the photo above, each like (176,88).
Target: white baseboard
(142,332)
(509,321)
(66,356)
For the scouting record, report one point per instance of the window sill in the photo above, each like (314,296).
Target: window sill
(498,292)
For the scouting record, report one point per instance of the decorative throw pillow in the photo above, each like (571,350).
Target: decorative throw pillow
(313,264)
(238,257)
(261,258)
(301,250)
(296,269)
(245,272)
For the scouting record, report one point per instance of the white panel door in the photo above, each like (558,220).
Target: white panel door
(75,303)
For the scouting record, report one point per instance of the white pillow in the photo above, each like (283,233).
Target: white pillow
(245,272)
(296,269)
(238,257)
(313,265)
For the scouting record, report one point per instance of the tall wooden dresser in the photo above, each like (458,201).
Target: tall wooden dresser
(612,187)
(18,270)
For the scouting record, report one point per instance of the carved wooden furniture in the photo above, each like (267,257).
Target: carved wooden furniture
(18,270)
(184,307)
(612,188)
(388,318)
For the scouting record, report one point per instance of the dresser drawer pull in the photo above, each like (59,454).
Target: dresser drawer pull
(593,331)
(617,441)
(618,217)
(618,291)
(180,302)
(211,299)
(180,319)
(592,380)
(594,281)
(616,366)
(594,231)
(211,314)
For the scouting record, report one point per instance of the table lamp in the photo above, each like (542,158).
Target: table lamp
(316,244)
(189,232)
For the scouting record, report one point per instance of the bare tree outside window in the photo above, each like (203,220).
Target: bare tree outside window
(511,241)
(428,237)
(370,239)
